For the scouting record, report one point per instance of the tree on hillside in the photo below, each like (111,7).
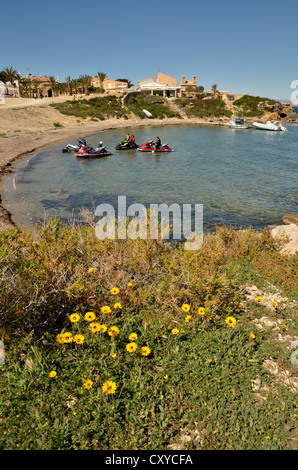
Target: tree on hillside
(75,85)
(85,82)
(101,77)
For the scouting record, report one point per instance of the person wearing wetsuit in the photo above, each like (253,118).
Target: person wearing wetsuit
(157,143)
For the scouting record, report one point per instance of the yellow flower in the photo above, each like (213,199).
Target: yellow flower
(185,308)
(260,299)
(114,355)
(113,331)
(166,377)
(175,331)
(117,305)
(274,303)
(252,336)
(109,387)
(145,351)
(131,347)
(67,337)
(91,270)
(133,336)
(115,291)
(60,338)
(88,384)
(129,284)
(187,318)
(201,311)
(79,339)
(283,326)
(105,309)
(90,316)
(103,328)
(231,321)
(94,327)
(74,317)
(53,373)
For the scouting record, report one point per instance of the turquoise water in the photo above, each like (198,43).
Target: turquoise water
(242,178)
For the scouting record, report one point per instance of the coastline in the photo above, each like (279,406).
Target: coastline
(38,135)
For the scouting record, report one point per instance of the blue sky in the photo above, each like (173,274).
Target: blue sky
(243,47)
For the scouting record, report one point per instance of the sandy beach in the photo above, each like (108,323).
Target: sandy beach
(27,125)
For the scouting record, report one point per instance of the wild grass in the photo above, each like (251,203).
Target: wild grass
(204,108)
(75,378)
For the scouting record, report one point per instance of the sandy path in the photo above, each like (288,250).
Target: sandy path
(28,127)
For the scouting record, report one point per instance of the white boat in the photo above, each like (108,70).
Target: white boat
(269,126)
(238,123)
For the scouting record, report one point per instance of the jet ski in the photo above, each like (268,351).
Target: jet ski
(74,148)
(90,152)
(151,147)
(124,145)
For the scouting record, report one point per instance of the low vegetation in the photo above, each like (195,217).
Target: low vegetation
(249,106)
(206,108)
(134,344)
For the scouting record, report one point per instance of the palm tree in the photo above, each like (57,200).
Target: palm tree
(54,83)
(10,74)
(85,82)
(69,85)
(74,84)
(101,77)
(214,90)
(25,87)
(35,84)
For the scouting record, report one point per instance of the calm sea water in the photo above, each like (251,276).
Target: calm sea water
(242,178)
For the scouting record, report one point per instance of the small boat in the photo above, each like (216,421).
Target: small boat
(147,113)
(269,126)
(238,123)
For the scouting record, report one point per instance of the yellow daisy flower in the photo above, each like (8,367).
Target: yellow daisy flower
(114,355)
(145,351)
(274,303)
(109,387)
(185,308)
(133,336)
(105,309)
(115,290)
(131,347)
(88,384)
(201,311)
(67,337)
(74,317)
(231,321)
(90,316)
(129,284)
(60,338)
(113,331)
(91,270)
(79,339)
(260,299)
(175,331)
(252,336)
(187,318)
(117,305)
(94,327)
(103,328)
(53,373)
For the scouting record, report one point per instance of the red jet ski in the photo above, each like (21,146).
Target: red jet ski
(151,147)
(89,152)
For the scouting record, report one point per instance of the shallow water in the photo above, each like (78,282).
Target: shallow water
(242,177)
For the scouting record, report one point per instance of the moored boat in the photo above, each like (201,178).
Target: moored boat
(238,123)
(269,126)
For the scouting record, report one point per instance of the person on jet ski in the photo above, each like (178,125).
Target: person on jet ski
(127,138)
(132,141)
(82,141)
(157,143)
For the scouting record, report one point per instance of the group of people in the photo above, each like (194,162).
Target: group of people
(131,139)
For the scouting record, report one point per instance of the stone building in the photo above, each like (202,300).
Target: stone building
(109,84)
(162,85)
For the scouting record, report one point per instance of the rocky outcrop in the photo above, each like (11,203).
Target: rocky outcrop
(288,233)
(278,111)
(290,219)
